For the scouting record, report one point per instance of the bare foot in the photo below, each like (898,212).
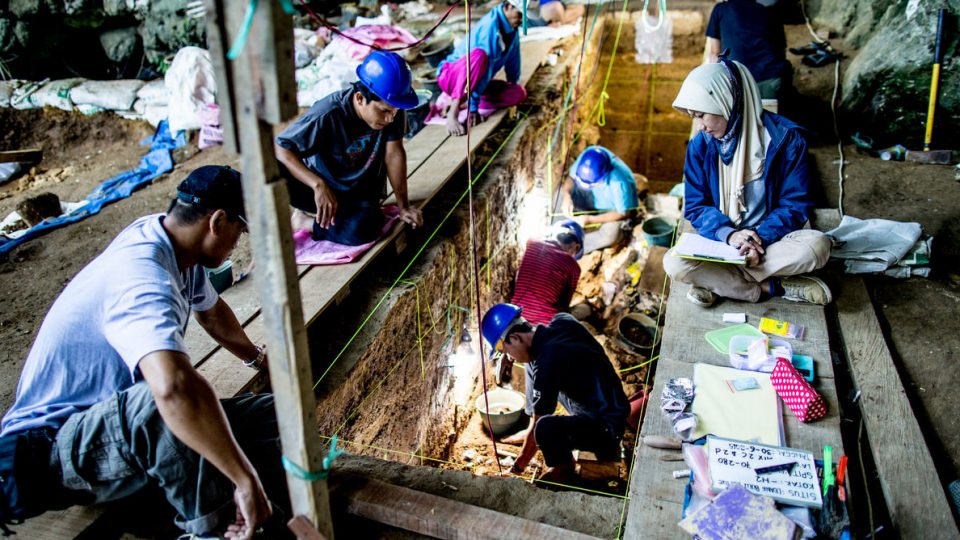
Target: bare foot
(516,438)
(301,221)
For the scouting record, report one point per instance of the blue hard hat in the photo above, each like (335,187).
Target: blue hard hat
(497,321)
(592,166)
(570,226)
(389,78)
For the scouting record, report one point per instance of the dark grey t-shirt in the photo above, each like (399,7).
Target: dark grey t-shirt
(334,142)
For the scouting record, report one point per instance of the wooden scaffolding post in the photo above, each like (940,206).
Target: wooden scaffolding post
(257,90)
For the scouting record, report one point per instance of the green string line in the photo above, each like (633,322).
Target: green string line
(312,476)
(453,208)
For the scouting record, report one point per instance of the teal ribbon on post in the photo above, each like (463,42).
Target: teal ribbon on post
(311,476)
(241,40)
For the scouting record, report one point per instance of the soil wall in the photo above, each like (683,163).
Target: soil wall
(396,387)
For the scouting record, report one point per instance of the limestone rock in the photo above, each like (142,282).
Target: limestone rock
(119,44)
(36,209)
(855,18)
(886,87)
(165,30)
(25,8)
(7,37)
(117,7)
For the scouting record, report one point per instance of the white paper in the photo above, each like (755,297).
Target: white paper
(695,246)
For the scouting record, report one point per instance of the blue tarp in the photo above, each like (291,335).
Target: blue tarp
(158,161)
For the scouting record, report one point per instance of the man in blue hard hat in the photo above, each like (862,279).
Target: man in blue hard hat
(336,155)
(603,188)
(564,364)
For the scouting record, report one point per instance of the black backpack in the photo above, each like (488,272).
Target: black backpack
(25,476)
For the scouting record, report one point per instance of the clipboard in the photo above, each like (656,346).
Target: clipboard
(693,246)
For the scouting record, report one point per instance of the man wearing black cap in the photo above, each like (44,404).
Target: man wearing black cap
(109,399)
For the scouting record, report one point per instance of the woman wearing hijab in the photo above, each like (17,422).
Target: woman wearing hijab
(747,177)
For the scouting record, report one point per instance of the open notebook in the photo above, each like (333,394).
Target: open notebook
(694,246)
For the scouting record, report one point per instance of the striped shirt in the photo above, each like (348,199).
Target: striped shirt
(545,281)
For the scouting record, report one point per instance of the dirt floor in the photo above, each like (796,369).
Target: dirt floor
(79,153)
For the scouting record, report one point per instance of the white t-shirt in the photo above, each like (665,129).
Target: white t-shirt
(130,301)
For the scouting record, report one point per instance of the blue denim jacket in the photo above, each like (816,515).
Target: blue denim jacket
(786,177)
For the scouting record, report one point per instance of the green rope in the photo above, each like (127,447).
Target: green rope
(241,40)
(310,476)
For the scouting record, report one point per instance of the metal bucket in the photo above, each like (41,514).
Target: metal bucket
(639,332)
(506,408)
(437,50)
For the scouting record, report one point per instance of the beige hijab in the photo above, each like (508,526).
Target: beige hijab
(708,89)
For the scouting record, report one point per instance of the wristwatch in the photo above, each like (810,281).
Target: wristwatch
(257,361)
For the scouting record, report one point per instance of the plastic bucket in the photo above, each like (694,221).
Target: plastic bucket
(658,231)
(639,332)
(506,408)
(427,78)
(417,115)
(437,50)
(221,277)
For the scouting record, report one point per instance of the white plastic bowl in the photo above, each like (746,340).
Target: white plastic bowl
(506,407)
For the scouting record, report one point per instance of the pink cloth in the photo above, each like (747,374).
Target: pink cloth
(499,94)
(321,252)
(381,35)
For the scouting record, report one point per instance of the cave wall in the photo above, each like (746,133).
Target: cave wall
(886,86)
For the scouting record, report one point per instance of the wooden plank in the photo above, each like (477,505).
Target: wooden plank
(655,496)
(913,492)
(692,322)
(59,524)
(218,22)
(438,517)
(33,155)
(272,39)
(268,211)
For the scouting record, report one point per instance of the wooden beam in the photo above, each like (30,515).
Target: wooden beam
(31,155)
(438,517)
(277,279)
(914,494)
(219,28)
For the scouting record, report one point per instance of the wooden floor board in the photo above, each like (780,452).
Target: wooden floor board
(656,498)
(914,495)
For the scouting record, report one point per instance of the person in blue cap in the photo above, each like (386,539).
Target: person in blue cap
(337,156)
(109,403)
(564,364)
(495,45)
(604,188)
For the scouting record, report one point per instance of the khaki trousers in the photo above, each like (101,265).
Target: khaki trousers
(796,253)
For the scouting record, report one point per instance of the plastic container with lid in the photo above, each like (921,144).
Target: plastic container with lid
(741,359)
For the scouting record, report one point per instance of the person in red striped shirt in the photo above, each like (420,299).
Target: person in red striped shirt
(549,273)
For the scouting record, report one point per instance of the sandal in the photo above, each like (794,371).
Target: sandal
(821,58)
(810,48)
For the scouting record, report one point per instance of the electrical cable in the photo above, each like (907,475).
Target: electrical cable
(473,238)
(833,108)
(333,28)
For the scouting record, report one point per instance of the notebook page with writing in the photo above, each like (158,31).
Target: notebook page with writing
(694,246)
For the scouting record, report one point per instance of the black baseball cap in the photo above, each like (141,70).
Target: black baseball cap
(214,187)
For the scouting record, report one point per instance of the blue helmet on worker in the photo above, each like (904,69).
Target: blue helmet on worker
(567,227)
(388,77)
(593,166)
(497,322)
